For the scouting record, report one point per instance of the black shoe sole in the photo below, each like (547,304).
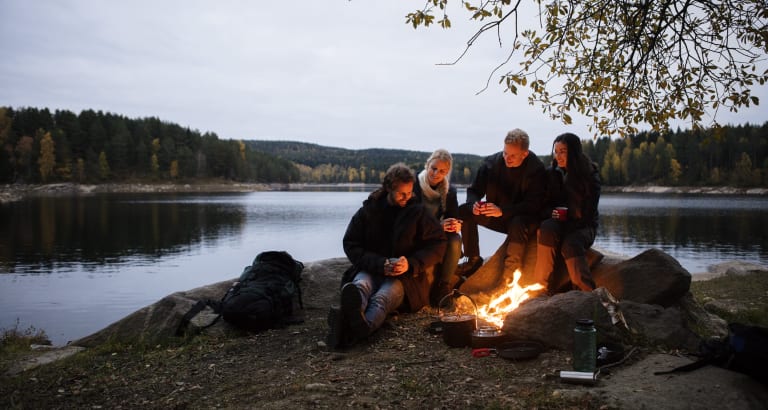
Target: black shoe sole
(351,307)
(335,339)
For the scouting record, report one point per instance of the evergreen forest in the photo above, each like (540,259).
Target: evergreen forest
(40,146)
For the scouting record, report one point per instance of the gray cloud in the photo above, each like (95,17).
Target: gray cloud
(339,73)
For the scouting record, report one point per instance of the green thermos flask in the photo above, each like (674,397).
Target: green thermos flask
(584,346)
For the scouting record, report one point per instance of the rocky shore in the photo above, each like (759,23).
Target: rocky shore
(16,192)
(401,366)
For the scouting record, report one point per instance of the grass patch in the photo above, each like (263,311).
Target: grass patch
(742,298)
(15,340)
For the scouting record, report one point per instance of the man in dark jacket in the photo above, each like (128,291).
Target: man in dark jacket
(393,244)
(513,184)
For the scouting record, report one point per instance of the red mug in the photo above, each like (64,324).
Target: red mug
(562,213)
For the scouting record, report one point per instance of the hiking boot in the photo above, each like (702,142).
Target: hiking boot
(352,309)
(441,290)
(335,339)
(469,267)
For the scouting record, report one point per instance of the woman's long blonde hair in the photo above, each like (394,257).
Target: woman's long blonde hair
(441,155)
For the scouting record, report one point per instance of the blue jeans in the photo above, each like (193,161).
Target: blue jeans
(451,258)
(382,295)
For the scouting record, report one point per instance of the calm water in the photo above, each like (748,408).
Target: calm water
(73,265)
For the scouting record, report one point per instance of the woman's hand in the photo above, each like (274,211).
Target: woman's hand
(452,225)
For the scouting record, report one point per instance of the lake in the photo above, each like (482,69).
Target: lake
(73,265)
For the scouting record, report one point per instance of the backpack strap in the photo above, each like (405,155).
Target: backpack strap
(688,367)
(198,307)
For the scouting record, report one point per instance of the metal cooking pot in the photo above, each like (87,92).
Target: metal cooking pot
(488,336)
(457,328)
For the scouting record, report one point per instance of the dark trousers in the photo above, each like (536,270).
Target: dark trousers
(554,238)
(518,228)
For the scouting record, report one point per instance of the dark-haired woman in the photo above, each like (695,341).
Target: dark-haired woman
(571,216)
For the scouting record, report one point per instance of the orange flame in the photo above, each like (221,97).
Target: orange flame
(506,301)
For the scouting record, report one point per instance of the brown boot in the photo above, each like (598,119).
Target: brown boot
(578,271)
(439,291)
(472,264)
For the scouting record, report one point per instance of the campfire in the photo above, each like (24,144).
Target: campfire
(506,300)
(482,328)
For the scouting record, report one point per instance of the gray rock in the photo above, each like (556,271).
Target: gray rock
(550,321)
(51,355)
(636,387)
(160,321)
(652,277)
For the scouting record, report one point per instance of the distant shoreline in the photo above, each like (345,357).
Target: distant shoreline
(705,190)
(17,192)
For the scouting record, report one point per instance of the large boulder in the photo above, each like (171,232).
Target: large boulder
(491,275)
(550,320)
(652,277)
(159,322)
(651,290)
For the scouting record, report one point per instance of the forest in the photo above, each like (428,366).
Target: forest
(40,146)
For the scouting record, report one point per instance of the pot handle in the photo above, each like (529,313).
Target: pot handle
(455,293)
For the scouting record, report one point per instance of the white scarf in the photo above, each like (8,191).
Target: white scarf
(431,196)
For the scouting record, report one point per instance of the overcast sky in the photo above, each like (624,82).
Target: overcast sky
(348,74)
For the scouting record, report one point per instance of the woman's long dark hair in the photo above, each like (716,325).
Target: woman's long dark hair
(578,165)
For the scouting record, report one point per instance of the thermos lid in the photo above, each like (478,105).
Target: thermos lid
(585,322)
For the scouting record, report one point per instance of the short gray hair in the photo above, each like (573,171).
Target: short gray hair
(518,137)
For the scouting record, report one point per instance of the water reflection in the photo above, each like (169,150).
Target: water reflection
(698,231)
(45,233)
(72,265)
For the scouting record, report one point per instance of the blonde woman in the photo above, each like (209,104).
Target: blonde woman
(434,191)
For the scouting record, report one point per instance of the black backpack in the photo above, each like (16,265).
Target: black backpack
(745,350)
(262,298)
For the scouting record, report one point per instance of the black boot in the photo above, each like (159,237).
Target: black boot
(352,309)
(472,264)
(336,334)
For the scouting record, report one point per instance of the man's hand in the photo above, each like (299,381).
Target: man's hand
(396,266)
(486,209)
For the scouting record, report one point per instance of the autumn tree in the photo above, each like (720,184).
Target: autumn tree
(154,164)
(80,170)
(174,170)
(47,159)
(103,165)
(622,63)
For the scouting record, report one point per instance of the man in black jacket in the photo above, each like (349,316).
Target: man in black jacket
(393,243)
(513,183)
